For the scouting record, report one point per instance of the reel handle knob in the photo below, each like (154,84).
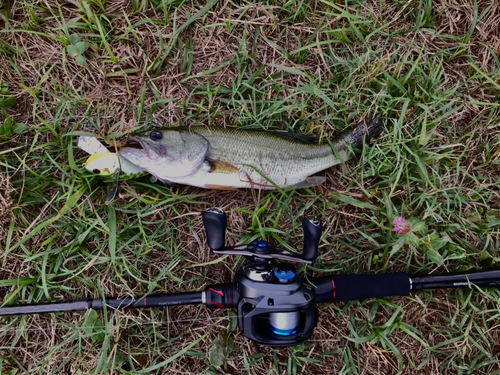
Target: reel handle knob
(312,234)
(215,222)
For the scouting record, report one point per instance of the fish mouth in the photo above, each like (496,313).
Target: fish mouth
(140,144)
(135,142)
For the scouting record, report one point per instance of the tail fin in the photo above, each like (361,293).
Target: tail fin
(366,130)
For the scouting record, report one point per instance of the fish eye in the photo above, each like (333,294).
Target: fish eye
(96,171)
(155,135)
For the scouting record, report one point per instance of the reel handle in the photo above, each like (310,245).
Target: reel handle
(215,222)
(313,228)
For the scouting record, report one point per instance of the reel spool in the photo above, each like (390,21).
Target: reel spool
(285,323)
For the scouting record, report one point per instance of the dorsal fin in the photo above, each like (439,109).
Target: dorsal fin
(307,138)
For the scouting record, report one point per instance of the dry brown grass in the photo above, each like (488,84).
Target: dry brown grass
(5,207)
(5,200)
(113,99)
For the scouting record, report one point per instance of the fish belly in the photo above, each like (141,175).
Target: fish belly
(221,181)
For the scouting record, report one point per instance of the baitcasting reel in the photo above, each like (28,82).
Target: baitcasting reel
(275,307)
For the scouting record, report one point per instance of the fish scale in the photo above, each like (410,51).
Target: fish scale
(222,158)
(277,156)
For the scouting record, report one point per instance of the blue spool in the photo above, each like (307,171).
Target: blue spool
(285,332)
(284,274)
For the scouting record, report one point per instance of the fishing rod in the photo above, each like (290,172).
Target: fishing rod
(275,306)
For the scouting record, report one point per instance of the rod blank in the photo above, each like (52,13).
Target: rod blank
(154,300)
(480,278)
(44,308)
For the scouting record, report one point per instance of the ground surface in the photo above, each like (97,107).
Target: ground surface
(429,68)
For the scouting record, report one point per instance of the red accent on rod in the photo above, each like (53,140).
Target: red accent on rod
(333,283)
(219,292)
(215,303)
(145,302)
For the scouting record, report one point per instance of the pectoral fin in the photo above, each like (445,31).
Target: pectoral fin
(220,166)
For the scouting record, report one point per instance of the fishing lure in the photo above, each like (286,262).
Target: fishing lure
(104,163)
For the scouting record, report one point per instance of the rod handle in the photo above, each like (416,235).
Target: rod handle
(342,288)
(222,295)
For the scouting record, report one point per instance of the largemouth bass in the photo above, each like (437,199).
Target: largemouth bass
(228,158)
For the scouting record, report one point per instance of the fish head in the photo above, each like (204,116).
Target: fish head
(166,153)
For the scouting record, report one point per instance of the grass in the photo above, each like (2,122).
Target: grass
(431,69)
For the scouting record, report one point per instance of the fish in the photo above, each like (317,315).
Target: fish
(231,158)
